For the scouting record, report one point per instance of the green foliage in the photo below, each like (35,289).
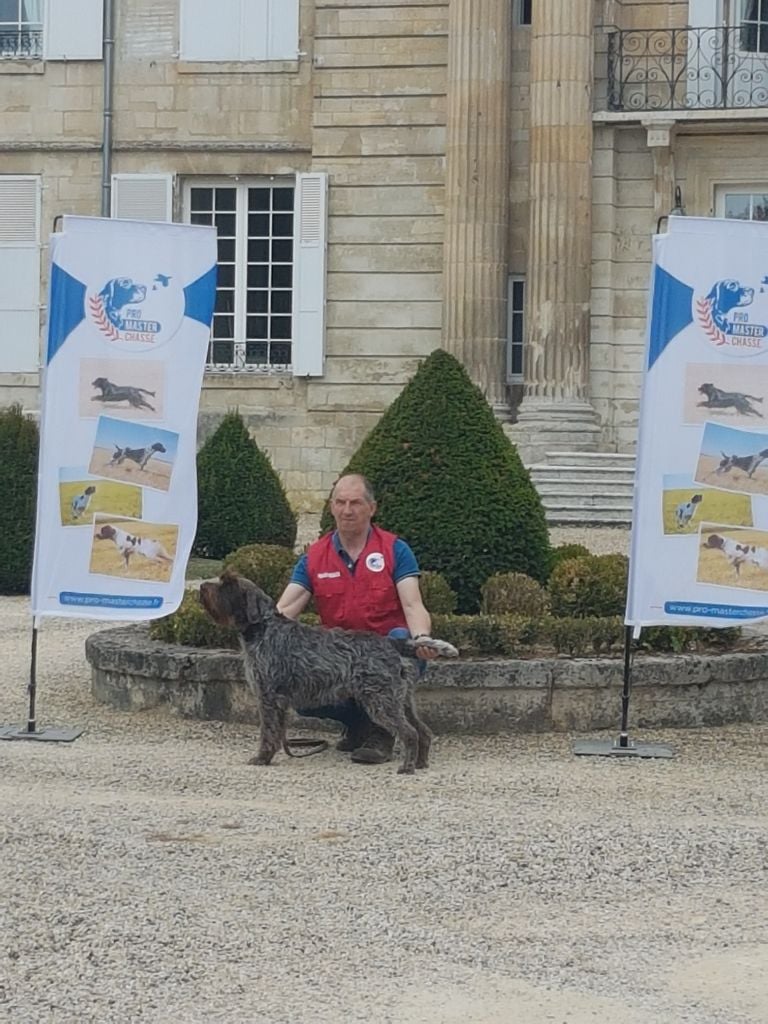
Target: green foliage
(19,446)
(590,586)
(269,566)
(682,639)
(240,497)
(450,483)
(565,551)
(513,593)
(436,593)
(192,626)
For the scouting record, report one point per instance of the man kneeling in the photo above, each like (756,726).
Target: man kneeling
(361,577)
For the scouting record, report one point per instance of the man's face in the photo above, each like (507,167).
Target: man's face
(350,507)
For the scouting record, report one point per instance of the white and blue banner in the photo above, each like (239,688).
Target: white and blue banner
(130,309)
(700,524)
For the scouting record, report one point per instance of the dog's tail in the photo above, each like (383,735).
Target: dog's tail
(409,646)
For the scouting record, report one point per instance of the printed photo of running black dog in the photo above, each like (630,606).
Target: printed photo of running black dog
(125,388)
(735,395)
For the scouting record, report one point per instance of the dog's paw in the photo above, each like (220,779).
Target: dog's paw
(260,759)
(406,770)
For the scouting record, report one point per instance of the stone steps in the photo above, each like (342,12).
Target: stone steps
(586,488)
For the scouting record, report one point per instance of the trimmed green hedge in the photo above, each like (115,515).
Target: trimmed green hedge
(19,447)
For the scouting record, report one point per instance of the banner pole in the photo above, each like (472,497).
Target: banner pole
(624,733)
(32,688)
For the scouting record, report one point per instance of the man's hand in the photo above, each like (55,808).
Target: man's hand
(425,653)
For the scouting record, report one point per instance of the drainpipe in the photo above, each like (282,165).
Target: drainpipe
(106,145)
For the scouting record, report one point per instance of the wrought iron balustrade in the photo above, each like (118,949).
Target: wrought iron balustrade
(688,68)
(21,44)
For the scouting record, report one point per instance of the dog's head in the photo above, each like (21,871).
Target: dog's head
(106,532)
(233,601)
(157,447)
(100,382)
(727,295)
(714,540)
(697,498)
(119,292)
(706,389)
(90,490)
(727,462)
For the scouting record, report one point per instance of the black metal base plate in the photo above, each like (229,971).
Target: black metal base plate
(606,748)
(49,735)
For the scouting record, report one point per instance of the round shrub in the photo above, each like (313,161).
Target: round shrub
(19,446)
(269,566)
(436,592)
(565,551)
(448,480)
(513,593)
(591,586)
(192,626)
(240,497)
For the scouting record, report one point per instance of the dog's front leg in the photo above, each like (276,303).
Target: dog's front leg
(272,732)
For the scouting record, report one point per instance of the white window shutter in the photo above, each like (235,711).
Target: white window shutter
(210,29)
(73,30)
(19,274)
(703,71)
(310,248)
(142,196)
(283,29)
(254,43)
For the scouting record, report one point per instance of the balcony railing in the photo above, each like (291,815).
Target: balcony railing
(688,68)
(21,44)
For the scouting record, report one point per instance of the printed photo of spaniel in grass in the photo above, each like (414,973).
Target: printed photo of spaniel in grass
(129,549)
(685,505)
(731,557)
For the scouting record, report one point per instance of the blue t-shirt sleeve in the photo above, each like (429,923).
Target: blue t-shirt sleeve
(300,574)
(405,562)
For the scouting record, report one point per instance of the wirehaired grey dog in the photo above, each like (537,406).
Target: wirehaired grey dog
(289,664)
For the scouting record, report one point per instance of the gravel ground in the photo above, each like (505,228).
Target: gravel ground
(147,874)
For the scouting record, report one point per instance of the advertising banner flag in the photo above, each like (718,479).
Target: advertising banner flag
(700,522)
(130,309)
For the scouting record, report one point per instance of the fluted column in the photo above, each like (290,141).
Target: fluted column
(555,408)
(477,191)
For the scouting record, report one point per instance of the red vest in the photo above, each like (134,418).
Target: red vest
(366,599)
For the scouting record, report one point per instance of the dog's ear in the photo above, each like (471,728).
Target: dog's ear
(259,605)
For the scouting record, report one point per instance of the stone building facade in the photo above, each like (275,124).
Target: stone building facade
(387,177)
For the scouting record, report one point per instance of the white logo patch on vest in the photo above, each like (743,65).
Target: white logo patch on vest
(328,575)
(375,561)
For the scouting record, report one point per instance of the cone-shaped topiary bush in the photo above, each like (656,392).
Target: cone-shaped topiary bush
(450,483)
(19,446)
(240,497)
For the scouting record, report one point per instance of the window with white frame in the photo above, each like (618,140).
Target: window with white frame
(239,30)
(19,273)
(754,26)
(742,202)
(515,328)
(37,30)
(252,322)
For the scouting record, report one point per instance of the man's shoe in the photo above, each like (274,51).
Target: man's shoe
(377,748)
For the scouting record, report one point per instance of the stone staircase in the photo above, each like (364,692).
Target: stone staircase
(586,488)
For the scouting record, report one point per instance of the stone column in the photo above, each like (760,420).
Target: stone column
(477,192)
(555,412)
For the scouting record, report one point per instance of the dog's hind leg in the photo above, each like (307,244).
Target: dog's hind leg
(272,734)
(390,715)
(424,734)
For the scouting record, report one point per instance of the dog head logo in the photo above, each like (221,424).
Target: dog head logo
(375,562)
(128,310)
(721,313)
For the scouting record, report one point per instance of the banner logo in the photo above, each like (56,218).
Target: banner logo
(721,315)
(126,310)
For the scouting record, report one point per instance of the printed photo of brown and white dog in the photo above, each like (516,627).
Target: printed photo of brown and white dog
(82,496)
(130,389)
(737,395)
(685,505)
(130,549)
(733,557)
(134,452)
(733,460)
